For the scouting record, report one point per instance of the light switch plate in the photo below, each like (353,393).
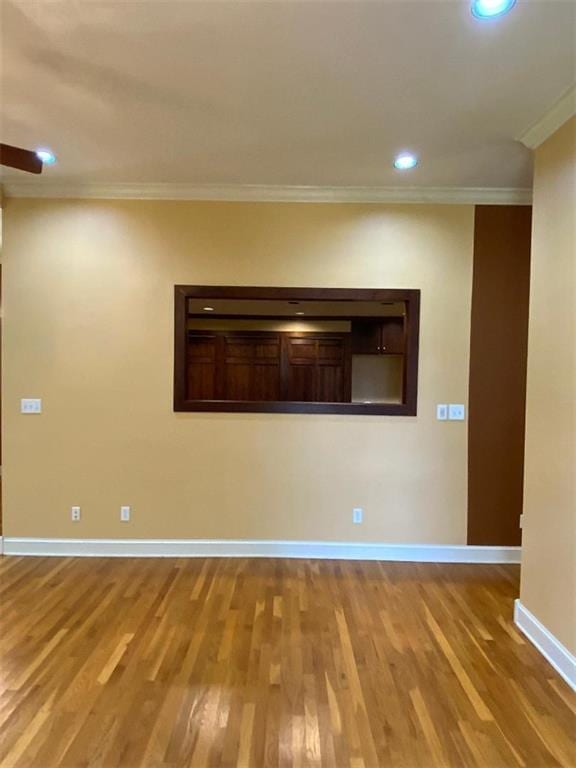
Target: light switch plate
(442,412)
(456,412)
(30,405)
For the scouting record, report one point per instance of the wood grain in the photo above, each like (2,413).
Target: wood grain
(236,662)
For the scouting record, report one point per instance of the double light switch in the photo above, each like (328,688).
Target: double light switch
(450,412)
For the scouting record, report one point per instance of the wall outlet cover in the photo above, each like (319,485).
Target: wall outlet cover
(125,514)
(357,515)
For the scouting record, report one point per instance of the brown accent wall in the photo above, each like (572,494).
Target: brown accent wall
(497,389)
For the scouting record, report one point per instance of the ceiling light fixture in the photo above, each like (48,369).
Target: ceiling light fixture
(47,157)
(487,9)
(299,313)
(405,161)
(208,309)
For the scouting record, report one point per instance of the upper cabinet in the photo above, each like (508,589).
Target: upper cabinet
(381,336)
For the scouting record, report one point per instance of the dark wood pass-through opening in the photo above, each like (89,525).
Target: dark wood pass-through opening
(218,367)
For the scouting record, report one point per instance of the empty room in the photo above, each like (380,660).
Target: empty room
(288,382)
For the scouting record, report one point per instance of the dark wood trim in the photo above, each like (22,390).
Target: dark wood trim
(410,296)
(180,329)
(238,406)
(296,294)
(410,378)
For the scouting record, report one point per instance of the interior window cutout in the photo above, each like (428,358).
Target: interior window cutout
(288,350)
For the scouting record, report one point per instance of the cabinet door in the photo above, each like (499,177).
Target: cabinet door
(202,366)
(384,336)
(366,337)
(331,368)
(317,369)
(238,354)
(265,383)
(392,339)
(300,369)
(251,367)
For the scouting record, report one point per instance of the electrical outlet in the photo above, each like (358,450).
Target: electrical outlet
(30,405)
(357,515)
(75,514)
(442,412)
(125,514)
(456,412)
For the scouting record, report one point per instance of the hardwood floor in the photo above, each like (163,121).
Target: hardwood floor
(169,662)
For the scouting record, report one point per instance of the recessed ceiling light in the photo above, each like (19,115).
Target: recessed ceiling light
(47,157)
(299,313)
(405,161)
(208,309)
(487,9)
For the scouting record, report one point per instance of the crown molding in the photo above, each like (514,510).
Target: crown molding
(277,194)
(554,118)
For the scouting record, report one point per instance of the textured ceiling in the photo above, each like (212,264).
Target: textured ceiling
(281,93)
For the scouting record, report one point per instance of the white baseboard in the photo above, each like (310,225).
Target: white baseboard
(552,649)
(329,550)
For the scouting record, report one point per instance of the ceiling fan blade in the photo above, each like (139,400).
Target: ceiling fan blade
(23,159)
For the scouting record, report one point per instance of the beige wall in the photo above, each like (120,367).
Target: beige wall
(88,327)
(549,534)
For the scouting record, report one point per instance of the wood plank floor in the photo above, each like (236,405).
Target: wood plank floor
(223,662)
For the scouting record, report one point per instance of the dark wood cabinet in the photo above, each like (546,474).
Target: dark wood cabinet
(382,336)
(317,368)
(259,366)
(366,337)
(201,359)
(251,366)
(393,336)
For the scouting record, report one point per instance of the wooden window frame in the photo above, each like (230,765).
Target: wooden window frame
(411,297)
